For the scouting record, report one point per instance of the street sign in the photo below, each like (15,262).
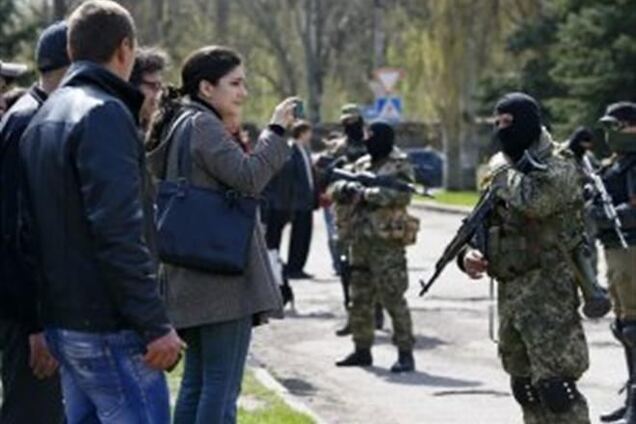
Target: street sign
(388,77)
(389,108)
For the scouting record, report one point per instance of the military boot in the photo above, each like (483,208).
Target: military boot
(344,331)
(405,362)
(619,413)
(630,411)
(361,357)
(629,335)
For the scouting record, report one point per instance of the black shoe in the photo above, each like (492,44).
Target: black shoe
(614,416)
(359,358)
(344,331)
(299,275)
(405,362)
(379,317)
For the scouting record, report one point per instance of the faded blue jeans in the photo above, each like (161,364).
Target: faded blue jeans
(214,364)
(104,378)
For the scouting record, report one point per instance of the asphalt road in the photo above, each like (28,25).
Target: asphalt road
(458,378)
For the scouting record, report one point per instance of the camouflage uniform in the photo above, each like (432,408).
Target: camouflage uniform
(541,339)
(377,250)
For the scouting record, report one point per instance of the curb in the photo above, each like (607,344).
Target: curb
(438,207)
(266,379)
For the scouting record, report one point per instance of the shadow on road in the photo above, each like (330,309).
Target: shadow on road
(421,342)
(419,378)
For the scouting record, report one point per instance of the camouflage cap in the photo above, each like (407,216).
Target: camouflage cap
(349,110)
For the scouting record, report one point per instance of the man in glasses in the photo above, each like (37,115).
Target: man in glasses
(619,178)
(147,76)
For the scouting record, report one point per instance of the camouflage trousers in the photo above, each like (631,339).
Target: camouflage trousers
(541,336)
(621,276)
(379,275)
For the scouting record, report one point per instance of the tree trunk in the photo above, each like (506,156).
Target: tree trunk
(379,35)
(222,18)
(59,10)
(311,33)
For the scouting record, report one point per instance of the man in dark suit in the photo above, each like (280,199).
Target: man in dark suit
(291,198)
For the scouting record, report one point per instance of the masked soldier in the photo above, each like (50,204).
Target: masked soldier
(619,178)
(344,154)
(377,248)
(536,221)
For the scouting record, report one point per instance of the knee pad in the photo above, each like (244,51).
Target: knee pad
(558,394)
(523,391)
(629,333)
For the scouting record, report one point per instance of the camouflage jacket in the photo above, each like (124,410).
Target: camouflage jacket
(380,212)
(347,154)
(536,215)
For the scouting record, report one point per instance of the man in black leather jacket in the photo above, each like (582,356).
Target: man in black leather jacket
(28,370)
(93,221)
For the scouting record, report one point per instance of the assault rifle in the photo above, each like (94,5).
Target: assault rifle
(368,179)
(472,227)
(606,199)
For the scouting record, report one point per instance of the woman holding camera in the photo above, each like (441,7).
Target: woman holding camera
(215,312)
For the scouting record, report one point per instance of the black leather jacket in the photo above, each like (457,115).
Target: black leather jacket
(18,296)
(84,168)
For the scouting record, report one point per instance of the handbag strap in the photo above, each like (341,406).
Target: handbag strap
(184,158)
(176,125)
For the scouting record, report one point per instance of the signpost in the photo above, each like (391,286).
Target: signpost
(388,106)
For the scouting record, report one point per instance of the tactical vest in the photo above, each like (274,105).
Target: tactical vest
(517,244)
(392,224)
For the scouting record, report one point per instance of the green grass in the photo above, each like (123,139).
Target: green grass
(259,405)
(455,198)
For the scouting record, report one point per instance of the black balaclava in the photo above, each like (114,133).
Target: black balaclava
(354,129)
(579,136)
(525,128)
(381,140)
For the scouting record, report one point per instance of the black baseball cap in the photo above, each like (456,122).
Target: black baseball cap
(621,112)
(50,53)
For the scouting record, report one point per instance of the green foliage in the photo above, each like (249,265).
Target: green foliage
(18,28)
(576,56)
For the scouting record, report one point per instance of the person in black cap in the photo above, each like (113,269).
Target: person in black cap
(619,177)
(28,369)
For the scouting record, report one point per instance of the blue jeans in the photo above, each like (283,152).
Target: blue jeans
(104,378)
(214,364)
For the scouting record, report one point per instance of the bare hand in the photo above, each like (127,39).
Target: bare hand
(40,359)
(475,264)
(284,113)
(163,353)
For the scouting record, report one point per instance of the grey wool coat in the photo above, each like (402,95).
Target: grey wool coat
(194,297)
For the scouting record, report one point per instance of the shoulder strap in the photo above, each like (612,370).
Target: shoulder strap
(176,125)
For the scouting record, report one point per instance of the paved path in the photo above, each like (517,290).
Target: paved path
(459,378)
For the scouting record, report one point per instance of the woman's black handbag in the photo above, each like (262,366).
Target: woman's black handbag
(202,228)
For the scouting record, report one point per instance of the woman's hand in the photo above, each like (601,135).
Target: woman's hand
(284,113)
